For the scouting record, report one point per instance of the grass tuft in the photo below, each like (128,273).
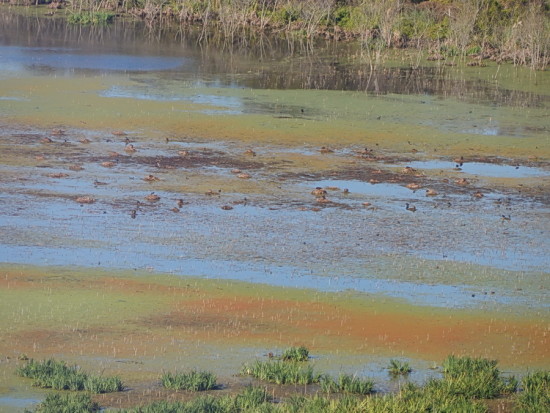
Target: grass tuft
(347,384)
(67,403)
(399,368)
(475,377)
(535,397)
(280,372)
(252,398)
(95,384)
(52,374)
(91,18)
(193,380)
(295,354)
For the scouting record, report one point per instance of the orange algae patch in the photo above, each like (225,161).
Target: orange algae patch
(375,328)
(155,316)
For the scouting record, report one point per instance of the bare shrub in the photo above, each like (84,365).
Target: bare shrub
(462,19)
(313,12)
(529,38)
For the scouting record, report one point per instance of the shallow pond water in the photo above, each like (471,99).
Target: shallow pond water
(484,169)
(236,140)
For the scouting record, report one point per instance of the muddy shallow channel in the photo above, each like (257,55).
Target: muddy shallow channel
(401,214)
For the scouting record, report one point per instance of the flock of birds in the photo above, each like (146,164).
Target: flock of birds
(319,193)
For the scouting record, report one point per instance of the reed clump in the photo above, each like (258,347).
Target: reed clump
(347,384)
(57,375)
(466,382)
(91,17)
(251,399)
(535,397)
(70,402)
(281,372)
(193,381)
(474,377)
(295,354)
(399,368)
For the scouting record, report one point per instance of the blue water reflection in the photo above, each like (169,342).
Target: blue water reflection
(63,59)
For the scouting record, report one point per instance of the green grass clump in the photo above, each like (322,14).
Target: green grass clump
(475,377)
(251,398)
(162,406)
(295,354)
(280,372)
(58,376)
(96,17)
(193,380)
(67,403)
(413,399)
(96,384)
(399,368)
(206,404)
(347,384)
(535,397)
(53,374)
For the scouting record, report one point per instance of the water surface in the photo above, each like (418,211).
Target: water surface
(242,135)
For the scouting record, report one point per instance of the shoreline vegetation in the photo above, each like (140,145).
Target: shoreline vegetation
(466,385)
(132,342)
(471,31)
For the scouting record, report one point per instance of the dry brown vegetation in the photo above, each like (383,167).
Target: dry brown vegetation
(505,30)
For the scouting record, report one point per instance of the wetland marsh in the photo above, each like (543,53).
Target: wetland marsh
(301,200)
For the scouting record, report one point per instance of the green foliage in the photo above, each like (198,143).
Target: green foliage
(91,17)
(303,404)
(535,397)
(491,19)
(251,398)
(474,377)
(53,374)
(412,399)
(280,372)
(193,380)
(58,376)
(295,354)
(397,368)
(287,14)
(328,385)
(67,403)
(159,407)
(347,384)
(473,50)
(417,24)
(97,384)
(439,30)
(347,17)
(436,396)
(207,404)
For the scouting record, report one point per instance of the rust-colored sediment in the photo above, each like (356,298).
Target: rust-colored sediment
(152,316)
